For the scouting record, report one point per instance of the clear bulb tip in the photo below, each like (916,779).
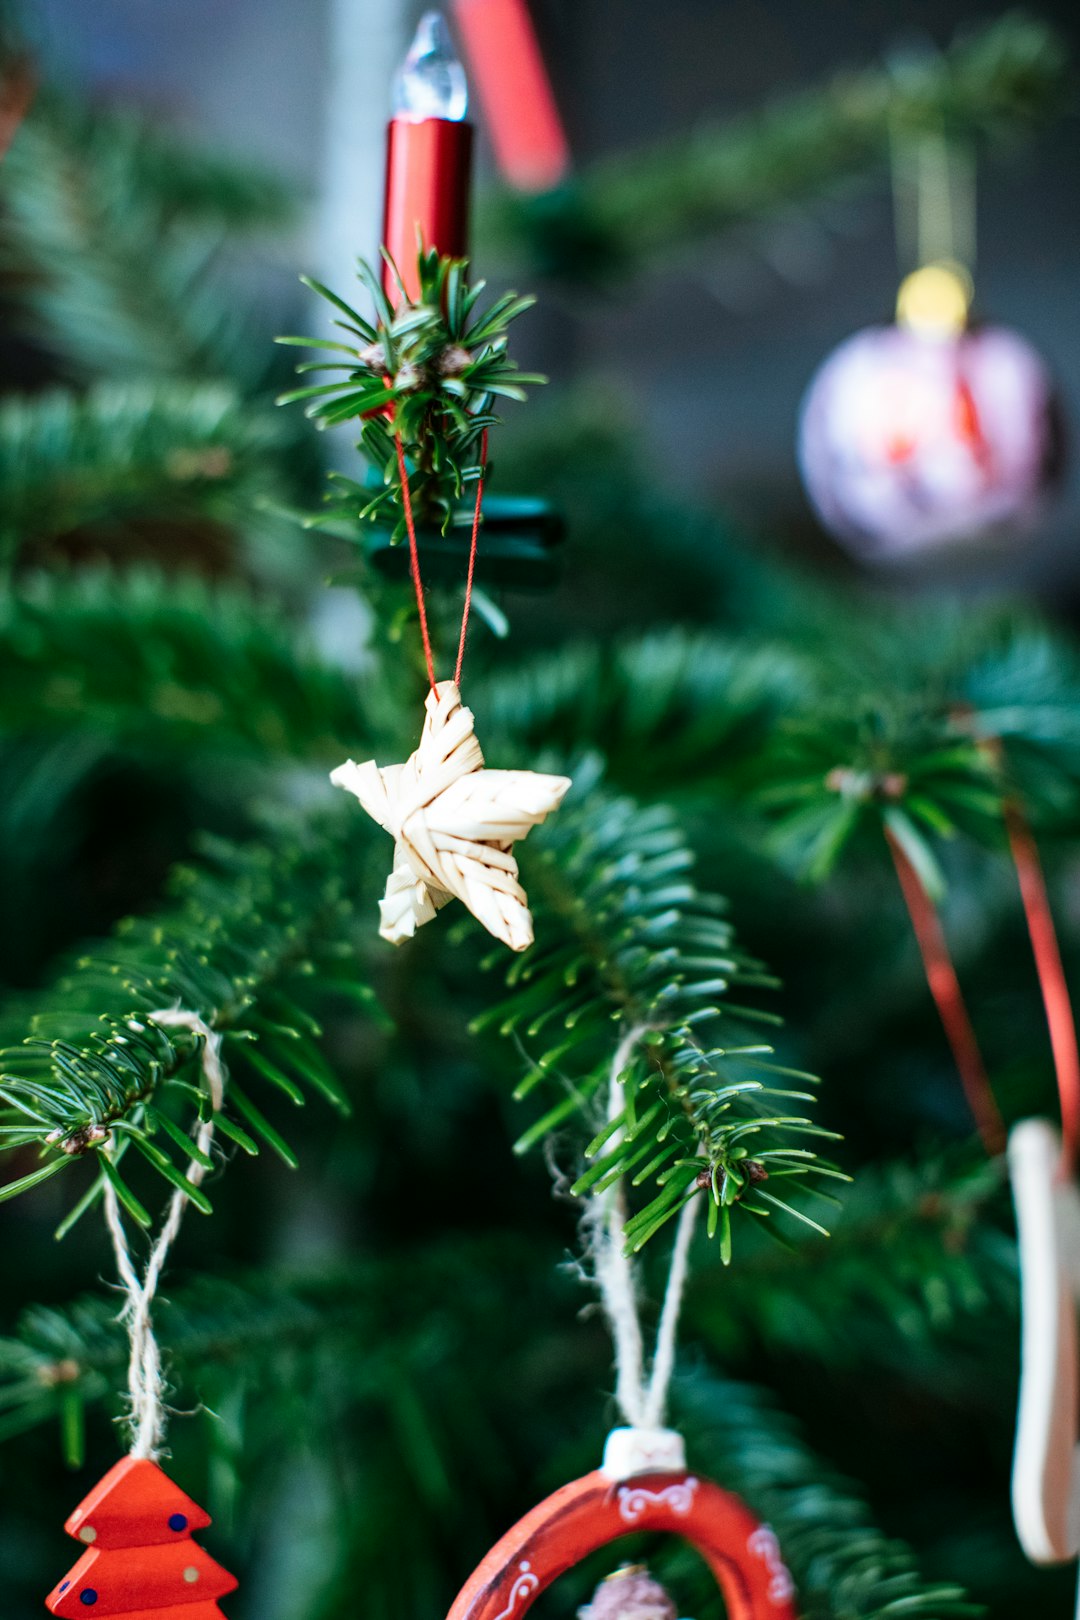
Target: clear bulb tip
(431,81)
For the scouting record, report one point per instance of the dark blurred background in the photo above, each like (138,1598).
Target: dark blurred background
(708,359)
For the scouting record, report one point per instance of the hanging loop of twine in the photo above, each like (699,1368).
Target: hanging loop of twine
(146,1384)
(414,558)
(641,1396)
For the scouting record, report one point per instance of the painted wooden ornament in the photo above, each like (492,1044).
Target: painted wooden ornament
(742,1553)
(1046,1475)
(454,824)
(140,1560)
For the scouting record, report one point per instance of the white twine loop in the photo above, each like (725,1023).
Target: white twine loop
(642,1399)
(146,1384)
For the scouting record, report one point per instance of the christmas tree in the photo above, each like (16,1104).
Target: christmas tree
(140,1559)
(370,1314)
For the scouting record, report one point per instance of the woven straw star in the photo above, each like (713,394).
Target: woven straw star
(453,823)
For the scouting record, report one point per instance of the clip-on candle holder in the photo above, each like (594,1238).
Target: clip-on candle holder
(428,159)
(519,549)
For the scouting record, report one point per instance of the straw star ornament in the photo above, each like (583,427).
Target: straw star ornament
(454,824)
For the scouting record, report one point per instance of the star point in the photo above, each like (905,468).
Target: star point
(454,824)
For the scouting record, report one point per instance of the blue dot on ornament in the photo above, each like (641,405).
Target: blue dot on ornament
(64,1585)
(89,1596)
(178,1521)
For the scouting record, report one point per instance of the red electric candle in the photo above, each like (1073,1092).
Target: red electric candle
(428,152)
(508,69)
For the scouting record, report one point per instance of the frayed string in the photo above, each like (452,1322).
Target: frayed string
(641,1397)
(146,1385)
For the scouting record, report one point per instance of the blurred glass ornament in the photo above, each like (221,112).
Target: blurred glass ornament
(629,1593)
(929,432)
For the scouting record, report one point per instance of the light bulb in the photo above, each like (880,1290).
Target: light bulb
(431,81)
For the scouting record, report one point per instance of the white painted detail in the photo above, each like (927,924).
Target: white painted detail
(525,1583)
(764,1545)
(635,1500)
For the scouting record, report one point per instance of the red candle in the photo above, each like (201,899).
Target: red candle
(428,154)
(505,62)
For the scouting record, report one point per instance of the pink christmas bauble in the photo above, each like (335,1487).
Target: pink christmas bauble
(909,441)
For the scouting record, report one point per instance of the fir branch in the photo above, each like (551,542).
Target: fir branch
(1020,689)
(319,1339)
(923,732)
(862,713)
(428,371)
(123,452)
(675,709)
(843,1566)
(159,662)
(107,235)
(950,1267)
(855,768)
(627,943)
(627,213)
(832,1300)
(189,183)
(248,935)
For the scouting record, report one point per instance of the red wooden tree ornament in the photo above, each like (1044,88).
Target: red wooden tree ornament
(742,1553)
(140,1561)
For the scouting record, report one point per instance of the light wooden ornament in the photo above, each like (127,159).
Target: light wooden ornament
(742,1553)
(1046,1475)
(140,1561)
(454,824)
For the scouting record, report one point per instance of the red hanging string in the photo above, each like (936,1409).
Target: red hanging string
(948,998)
(414,559)
(472,556)
(1048,965)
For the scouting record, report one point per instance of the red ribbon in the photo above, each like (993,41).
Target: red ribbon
(1048,965)
(948,998)
(414,559)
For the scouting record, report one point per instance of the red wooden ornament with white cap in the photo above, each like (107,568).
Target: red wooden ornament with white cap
(742,1553)
(140,1561)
